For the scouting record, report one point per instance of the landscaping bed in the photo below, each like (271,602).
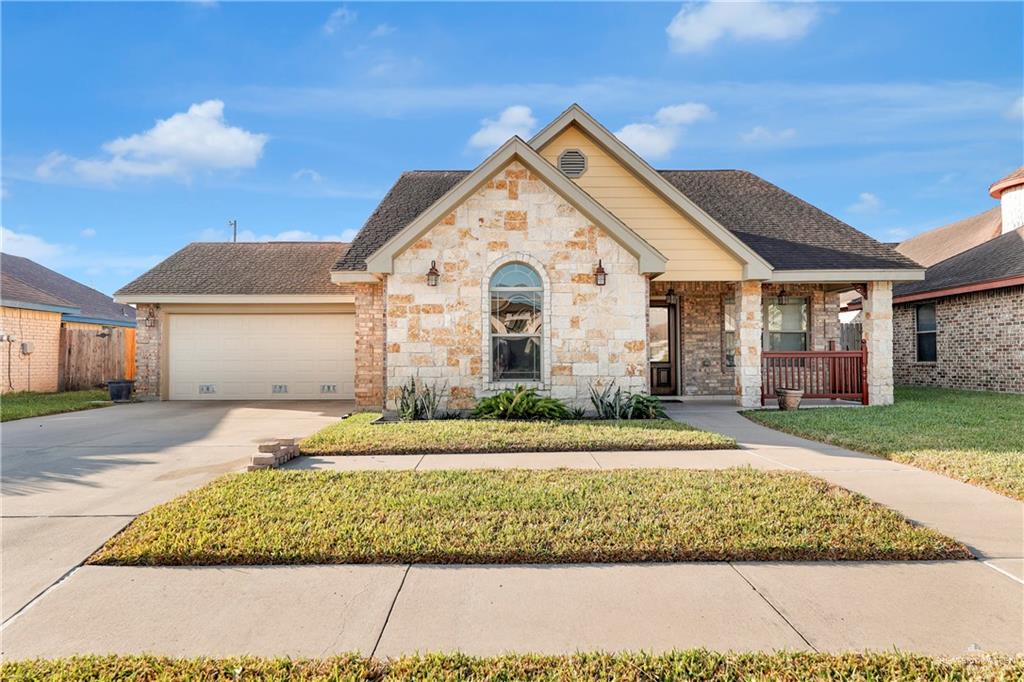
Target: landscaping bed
(971,436)
(695,665)
(358,435)
(519,516)
(24,404)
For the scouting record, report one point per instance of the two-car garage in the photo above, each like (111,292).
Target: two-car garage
(261,356)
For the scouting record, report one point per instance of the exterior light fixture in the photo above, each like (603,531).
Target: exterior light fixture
(600,276)
(150,319)
(783,297)
(671,297)
(432,274)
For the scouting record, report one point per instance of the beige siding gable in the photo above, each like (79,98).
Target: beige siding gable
(692,254)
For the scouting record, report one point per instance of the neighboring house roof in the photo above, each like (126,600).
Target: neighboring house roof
(1012,180)
(786,231)
(650,259)
(92,305)
(242,268)
(940,243)
(997,262)
(17,294)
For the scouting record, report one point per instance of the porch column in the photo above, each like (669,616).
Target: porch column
(370,334)
(748,343)
(877,330)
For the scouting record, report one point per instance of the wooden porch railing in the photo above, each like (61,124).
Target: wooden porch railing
(833,374)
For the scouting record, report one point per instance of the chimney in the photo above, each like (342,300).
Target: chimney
(1010,192)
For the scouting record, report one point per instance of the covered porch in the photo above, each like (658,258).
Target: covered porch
(742,340)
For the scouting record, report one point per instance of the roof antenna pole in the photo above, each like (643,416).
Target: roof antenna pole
(234,230)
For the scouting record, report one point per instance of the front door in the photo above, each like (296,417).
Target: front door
(663,348)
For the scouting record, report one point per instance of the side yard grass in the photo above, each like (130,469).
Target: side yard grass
(24,404)
(519,516)
(971,436)
(693,665)
(357,435)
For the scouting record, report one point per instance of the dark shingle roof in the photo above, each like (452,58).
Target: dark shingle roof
(91,303)
(940,243)
(786,231)
(412,194)
(13,290)
(996,259)
(258,268)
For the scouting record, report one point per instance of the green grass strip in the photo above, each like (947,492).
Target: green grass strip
(693,665)
(358,436)
(520,516)
(971,436)
(24,404)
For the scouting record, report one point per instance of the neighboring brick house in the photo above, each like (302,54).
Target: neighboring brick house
(559,263)
(44,316)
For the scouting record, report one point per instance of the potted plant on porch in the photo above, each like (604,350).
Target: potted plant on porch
(789,398)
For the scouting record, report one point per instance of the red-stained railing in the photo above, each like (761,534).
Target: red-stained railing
(832,374)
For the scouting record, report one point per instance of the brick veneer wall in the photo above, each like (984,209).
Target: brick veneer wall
(701,306)
(370,351)
(980,341)
(147,351)
(37,371)
(592,334)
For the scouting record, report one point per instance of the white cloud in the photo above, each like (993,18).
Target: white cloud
(698,26)
(514,120)
(1016,110)
(866,203)
(382,30)
(766,136)
(197,139)
(88,233)
(221,235)
(343,16)
(308,174)
(657,140)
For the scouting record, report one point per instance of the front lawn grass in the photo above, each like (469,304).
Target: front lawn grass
(970,436)
(519,516)
(23,404)
(695,665)
(357,435)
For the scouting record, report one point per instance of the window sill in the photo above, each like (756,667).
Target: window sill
(926,363)
(507,385)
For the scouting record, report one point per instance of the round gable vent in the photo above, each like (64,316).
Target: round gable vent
(572,162)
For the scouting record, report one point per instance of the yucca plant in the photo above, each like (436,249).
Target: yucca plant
(520,403)
(419,401)
(612,402)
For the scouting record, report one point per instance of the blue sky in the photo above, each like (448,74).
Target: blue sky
(131,129)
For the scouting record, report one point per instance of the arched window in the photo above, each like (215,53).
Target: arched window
(516,293)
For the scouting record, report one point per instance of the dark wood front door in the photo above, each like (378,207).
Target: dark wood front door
(663,349)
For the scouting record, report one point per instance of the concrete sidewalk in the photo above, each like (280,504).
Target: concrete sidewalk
(940,608)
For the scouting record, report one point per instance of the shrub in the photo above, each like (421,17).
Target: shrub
(614,403)
(520,403)
(419,401)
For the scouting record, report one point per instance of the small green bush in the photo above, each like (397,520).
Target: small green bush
(521,403)
(614,403)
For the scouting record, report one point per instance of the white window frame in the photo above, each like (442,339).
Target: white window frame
(545,330)
(918,332)
(766,334)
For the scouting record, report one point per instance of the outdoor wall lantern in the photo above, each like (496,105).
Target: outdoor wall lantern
(600,276)
(432,275)
(783,297)
(150,319)
(670,297)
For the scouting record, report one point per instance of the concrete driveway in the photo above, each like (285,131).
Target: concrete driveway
(68,482)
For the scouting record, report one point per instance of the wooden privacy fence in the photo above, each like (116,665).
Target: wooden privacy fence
(833,374)
(850,334)
(91,356)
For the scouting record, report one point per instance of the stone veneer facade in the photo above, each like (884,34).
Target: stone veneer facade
(147,351)
(979,337)
(591,334)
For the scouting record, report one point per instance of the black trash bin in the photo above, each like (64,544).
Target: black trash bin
(120,391)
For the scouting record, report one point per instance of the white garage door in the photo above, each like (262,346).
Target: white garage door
(259,357)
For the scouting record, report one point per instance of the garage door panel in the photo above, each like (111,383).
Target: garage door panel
(242,357)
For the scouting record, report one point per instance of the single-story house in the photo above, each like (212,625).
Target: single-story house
(58,333)
(963,325)
(556,263)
